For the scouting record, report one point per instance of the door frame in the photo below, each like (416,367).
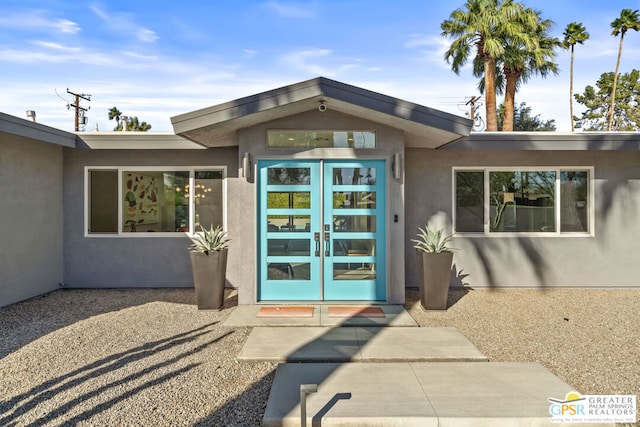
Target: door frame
(325,264)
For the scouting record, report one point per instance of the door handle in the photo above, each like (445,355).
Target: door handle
(327,244)
(316,237)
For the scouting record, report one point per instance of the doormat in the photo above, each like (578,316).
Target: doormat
(355,311)
(285,311)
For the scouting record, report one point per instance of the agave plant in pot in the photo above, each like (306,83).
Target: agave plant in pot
(209,266)
(434,267)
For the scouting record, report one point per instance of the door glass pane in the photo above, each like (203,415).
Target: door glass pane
(574,206)
(354,200)
(354,223)
(288,247)
(522,201)
(289,223)
(354,271)
(354,176)
(288,200)
(288,271)
(289,176)
(354,247)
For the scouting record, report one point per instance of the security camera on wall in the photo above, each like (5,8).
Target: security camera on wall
(322,107)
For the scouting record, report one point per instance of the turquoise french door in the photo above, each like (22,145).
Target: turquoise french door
(321,230)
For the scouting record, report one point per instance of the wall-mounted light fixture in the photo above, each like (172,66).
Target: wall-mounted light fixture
(246,166)
(396,165)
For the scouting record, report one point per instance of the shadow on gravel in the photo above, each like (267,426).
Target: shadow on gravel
(26,321)
(12,409)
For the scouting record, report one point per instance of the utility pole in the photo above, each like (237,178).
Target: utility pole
(472,102)
(80,118)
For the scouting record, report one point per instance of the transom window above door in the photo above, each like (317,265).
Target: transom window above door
(355,139)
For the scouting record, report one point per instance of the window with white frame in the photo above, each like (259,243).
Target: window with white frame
(131,200)
(545,200)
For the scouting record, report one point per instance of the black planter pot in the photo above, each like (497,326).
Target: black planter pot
(209,271)
(434,271)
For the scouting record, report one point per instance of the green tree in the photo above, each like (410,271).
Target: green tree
(128,123)
(625,114)
(482,26)
(522,60)
(523,121)
(628,20)
(574,33)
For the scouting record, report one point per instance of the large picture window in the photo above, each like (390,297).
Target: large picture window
(128,201)
(541,201)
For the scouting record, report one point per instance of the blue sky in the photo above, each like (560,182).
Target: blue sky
(156,59)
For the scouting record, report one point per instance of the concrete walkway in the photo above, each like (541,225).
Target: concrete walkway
(358,344)
(413,376)
(415,394)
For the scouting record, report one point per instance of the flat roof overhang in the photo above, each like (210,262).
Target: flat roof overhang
(22,129)
(547,141)
(135,141)
(217,126)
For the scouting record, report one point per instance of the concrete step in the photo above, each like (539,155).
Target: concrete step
(358,344)
(415,394)
(247,315)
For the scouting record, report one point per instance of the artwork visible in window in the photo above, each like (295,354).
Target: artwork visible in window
(522,201)
(140,199)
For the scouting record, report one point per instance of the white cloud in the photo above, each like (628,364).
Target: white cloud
(290,10)
(124,23)
(38,19)
(305,60)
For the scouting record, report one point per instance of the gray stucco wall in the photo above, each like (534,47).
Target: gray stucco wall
(31,212)
(145,261)
(607,259)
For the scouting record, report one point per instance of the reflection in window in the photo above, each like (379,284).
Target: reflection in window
(354,271)
(354,223)
(288,247)
(288,223)
(103,203)
(321,139)
(288,271)
(288,200)
(469,201)
(354,200)
(354,176)
(208,199)
(574,214)
(522,201)
(288,176)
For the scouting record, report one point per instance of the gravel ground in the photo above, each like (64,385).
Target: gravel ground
(149,357)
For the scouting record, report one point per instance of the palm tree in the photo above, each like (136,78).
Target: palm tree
(628,20)
(574,33)
(115,114)
(520,61)
(482,26)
